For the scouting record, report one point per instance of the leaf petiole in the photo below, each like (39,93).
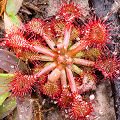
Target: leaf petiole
(6,75)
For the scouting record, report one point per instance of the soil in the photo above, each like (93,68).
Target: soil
(107,94)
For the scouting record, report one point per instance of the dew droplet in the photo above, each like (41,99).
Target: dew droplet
(20,116)
(77,38)
(1,98)
(92,97)
(12,66)
(6,35)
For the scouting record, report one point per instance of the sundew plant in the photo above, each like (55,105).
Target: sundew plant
(65,51)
